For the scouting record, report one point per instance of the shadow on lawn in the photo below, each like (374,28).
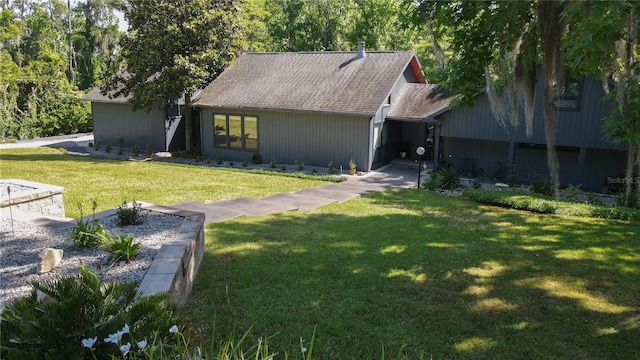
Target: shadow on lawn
(437,276)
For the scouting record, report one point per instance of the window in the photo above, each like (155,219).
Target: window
(569,97)
(236,132)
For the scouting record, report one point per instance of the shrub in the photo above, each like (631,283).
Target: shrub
(572,192)
(245,163)
(149,150)
(82,309)
(120,145)
(122,248)
(219,160)
(631,201)
(86,233)
(135,150)
(96,145)
(542,186)
(273,163)
(107,148)
(129,215)
(431,183)
(299,165)
(448,178)
(543,204)
(332,168)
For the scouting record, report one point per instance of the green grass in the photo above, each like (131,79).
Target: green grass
(404,273)
(113,181)
(420,275)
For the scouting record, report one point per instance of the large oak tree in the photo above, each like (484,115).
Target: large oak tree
(173,48)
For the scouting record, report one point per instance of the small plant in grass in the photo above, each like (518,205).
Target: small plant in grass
(219,160)
(135,150)
(121,248)
(86,233)
(107,148)
(299,165)
(120,145)
(129,215)
(273,163)
(542,186)
(314,171)
(245,163)
(572,192)
(332,168)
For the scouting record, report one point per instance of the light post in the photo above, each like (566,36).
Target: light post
(420,152)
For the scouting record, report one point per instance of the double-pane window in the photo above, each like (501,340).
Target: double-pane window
(236,132)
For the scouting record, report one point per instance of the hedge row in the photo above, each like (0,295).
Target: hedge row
(522,200)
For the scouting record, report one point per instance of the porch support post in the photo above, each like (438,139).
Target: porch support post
(580,169)
(436,146)
(510,156)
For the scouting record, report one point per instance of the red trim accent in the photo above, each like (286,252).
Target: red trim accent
(416,69)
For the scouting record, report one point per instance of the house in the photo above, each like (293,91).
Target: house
(472,140)
(114,121)
(317,108)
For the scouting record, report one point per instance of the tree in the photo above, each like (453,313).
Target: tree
(502,44)
(173,48)
(94,40)
(604,40)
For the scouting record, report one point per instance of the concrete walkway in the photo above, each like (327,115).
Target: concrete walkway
(390,176)
(309,198)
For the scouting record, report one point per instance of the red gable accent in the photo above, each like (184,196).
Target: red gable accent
(417,70)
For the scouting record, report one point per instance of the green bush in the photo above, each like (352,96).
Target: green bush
(542,186)
(107,148)
(544,204)
(572,192)
(81,311)
(299,165)
(431,183)
(129,215)
(332,168)
(122,248)
(448,178)
(273,163)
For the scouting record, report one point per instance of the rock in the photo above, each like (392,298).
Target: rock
(48,259)
(44,298)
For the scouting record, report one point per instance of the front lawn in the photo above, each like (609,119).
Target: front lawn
(408,274)
(111,182)
(399,274)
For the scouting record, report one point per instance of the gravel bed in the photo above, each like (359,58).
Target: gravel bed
(22,243)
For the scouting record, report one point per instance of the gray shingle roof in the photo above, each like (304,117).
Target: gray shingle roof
(95,95)
(315,82)
(419,102)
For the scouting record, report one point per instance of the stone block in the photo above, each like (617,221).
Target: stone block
(48,259)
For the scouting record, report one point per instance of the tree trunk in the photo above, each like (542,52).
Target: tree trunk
(550,136)
(188,128)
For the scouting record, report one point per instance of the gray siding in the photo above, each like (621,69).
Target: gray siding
(581,128)
(585,155)
(314,139)
(114,121)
